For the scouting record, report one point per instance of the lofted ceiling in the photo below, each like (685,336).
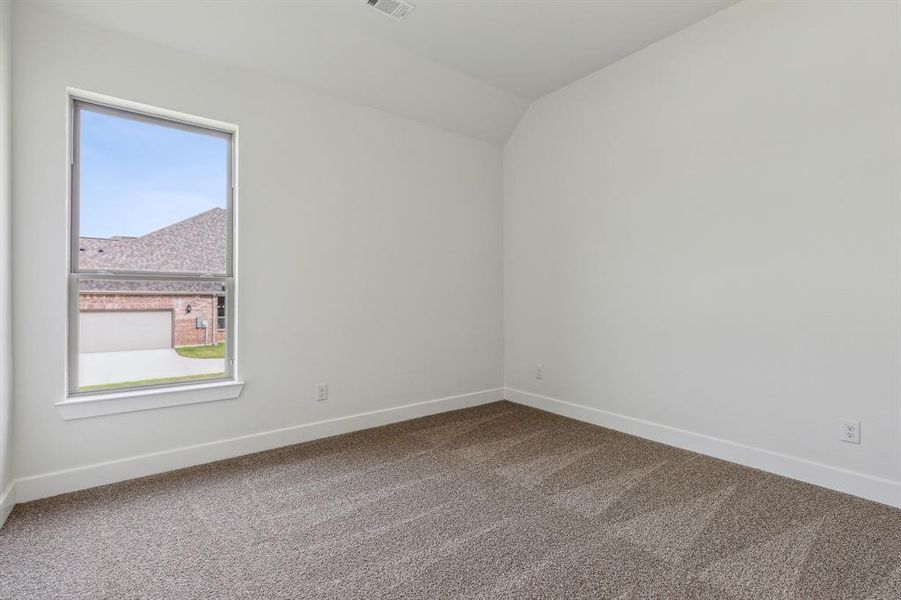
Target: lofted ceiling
(470,66)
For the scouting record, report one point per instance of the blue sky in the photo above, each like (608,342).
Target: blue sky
(136,177)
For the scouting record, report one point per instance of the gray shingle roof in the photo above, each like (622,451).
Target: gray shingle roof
(195,245)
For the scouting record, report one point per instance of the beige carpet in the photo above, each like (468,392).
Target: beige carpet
(498,501)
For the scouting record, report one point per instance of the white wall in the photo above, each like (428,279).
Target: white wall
(705,235)
(6,466)
(370,253)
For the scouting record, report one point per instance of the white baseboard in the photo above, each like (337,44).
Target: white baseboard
(842,480)
(70,480)
(7,501)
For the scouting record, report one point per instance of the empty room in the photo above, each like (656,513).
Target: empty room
(390,299)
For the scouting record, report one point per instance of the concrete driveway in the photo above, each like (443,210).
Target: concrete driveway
(98,368)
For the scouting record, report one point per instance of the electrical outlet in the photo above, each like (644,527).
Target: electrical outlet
(539,372)
(322,392)
(850,431)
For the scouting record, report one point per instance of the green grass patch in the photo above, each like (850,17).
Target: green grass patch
(213,351)
(125,384)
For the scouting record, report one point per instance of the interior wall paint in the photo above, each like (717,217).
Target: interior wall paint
(322,45)
(6,398)
(705,235)
(369,249)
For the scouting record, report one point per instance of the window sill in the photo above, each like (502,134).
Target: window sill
(96,405)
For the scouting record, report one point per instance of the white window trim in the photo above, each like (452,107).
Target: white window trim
(136,399)
(83,405)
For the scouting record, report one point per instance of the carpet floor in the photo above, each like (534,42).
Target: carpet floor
(497,501)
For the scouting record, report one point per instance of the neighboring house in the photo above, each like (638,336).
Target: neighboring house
(137,315)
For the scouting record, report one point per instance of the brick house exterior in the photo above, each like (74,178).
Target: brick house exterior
(195,245)
(185,329)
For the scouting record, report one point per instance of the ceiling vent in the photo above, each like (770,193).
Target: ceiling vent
(396,9)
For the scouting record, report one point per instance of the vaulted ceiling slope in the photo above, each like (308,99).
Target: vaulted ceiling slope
(470,66)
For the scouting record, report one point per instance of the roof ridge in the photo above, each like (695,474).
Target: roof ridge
(118,237)
(196,244)
(170,225)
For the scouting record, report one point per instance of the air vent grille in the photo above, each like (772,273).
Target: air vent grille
(396,9)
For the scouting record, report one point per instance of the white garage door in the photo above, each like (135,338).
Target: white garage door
(116,331)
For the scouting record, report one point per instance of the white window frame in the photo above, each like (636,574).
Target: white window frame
(80,404)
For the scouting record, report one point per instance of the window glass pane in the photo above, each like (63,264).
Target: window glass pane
(138,332)
(151,197)
(221,313)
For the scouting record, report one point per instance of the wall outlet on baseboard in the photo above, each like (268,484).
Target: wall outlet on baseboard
(850,431)
(539,372)
(322,392)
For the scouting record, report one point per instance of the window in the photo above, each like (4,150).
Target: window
(151,270)
(220,312)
